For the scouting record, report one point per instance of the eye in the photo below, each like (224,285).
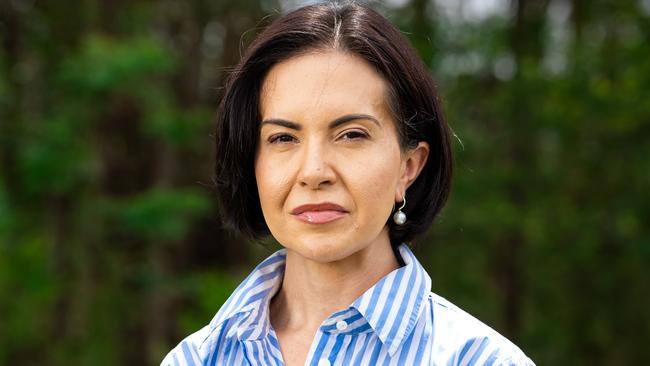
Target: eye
(281,138)
(354,135)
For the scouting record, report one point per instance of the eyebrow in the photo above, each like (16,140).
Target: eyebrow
(335,123)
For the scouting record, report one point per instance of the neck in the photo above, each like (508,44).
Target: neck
(311,291)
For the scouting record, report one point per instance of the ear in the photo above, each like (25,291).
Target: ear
(413,162)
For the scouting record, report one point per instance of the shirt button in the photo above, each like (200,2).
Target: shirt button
(324,362)
(341,325)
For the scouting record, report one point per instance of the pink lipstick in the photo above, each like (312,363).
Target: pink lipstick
(320,213)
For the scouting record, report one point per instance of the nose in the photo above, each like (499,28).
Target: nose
(315,170)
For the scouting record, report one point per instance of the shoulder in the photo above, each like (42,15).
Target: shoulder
(215,341)
(200,346)
(463,339)
(189,350)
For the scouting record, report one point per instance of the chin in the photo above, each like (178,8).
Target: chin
(322,248)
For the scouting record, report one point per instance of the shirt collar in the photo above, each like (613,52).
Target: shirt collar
(390,308)
(250,301)
(394,304)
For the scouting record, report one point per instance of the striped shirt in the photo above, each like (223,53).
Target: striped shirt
(398,321)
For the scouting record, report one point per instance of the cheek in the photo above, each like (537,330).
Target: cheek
(262,179)
(272,181)
(374,179)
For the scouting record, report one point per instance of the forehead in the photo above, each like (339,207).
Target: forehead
(322,84)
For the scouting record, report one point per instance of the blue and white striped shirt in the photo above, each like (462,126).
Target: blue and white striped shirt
(398,321)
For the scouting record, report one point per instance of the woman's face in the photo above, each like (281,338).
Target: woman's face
(328,166)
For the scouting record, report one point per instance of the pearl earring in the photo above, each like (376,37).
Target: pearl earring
(400,217)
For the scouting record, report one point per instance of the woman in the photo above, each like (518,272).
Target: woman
(328,125)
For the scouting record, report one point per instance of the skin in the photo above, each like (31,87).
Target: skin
(302,158)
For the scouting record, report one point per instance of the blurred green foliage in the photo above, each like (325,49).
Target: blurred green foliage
(110,247)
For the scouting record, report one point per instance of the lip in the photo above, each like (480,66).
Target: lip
(319,213)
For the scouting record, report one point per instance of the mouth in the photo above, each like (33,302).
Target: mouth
(320,213)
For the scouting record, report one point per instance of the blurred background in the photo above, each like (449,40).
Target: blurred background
(110,246)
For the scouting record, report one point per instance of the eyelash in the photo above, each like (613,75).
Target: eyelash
(275,139)
(358,134)
(351,135)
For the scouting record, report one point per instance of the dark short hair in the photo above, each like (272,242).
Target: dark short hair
(412,99)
